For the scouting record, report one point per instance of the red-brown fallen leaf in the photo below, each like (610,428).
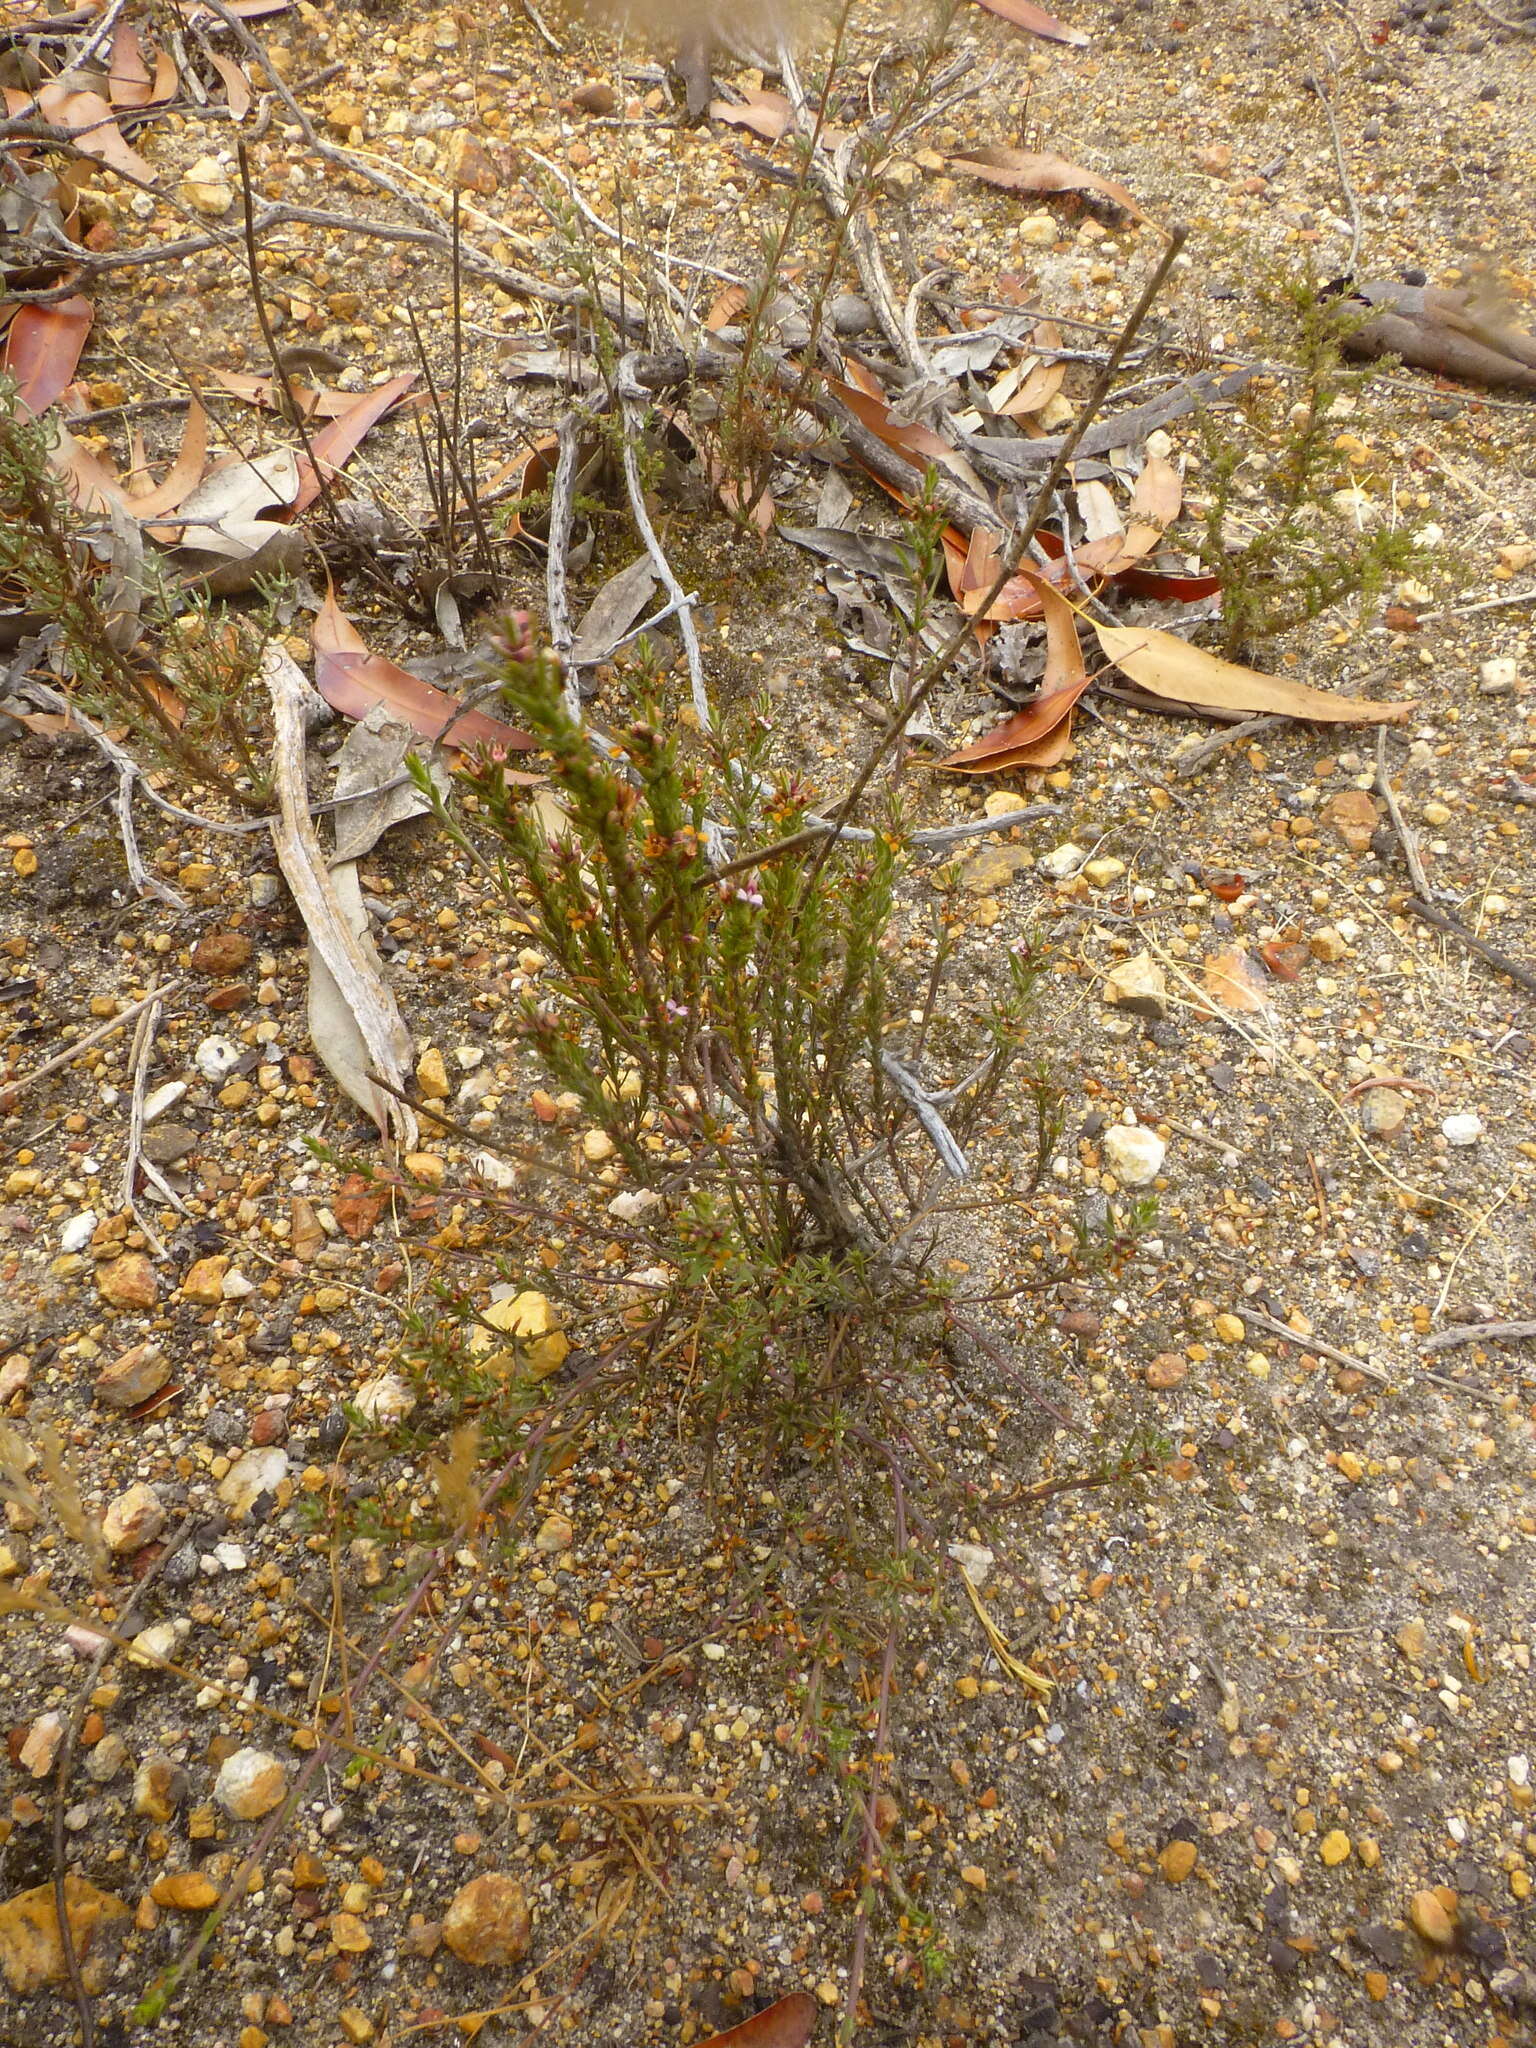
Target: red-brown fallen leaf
(1401,618)
(1168,584)
(334,443)
(1235,980)
(1170,667)
(766,113)
(865,399)
(237,87)
(1019,598)
(352,681)
(787,2023)
(358,1206)
(1038,170)
(88,120)
(730,300)
(266,392)
(42,349)
(1284,958)
(1037,736)
(92,484)
(1026,15)
(184,473)
(153,1403)
(129,83)
(532,468)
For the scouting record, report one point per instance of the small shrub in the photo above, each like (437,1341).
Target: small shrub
(103,612)
(1284,554)
(729,1032)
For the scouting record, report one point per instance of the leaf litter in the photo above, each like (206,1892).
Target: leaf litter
(1114,550)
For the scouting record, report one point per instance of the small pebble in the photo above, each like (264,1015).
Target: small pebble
(216,1059)
(1062,861)
(250,1783)
(1497,678)
(1133,1154)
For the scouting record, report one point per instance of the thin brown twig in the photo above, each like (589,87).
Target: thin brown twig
(1325,1350)
(291,405)
(1477,1333)
(1315,86)
(11,1089)
(1407,839)
(1317,1344)
(1446,921)
(1319,1190)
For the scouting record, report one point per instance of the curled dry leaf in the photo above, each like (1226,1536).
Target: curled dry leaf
(184,474)
(222,516)
(92,484)
(1026,15)
(531,471)
(787,2023)
(129,81)
(237,87)
(1039,170)
(334,443)
(1015,397)
(1235,980)
(730,302)
(352,680)
(1155,504)
(1170,667)
(766,113)
(1037,736)
(42,349)
(1019,598)
(865,399)
(88,120)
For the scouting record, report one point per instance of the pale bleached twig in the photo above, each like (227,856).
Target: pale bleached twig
(1324,1350)
(556,592)
(1192,760)
(1315,85)
(634,397)
(55,700)
(134,1161)
(336,947)
(921,1103)
(1478,1333)
(9,1090)
(129,774)
(1406,837)
(1484,604)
